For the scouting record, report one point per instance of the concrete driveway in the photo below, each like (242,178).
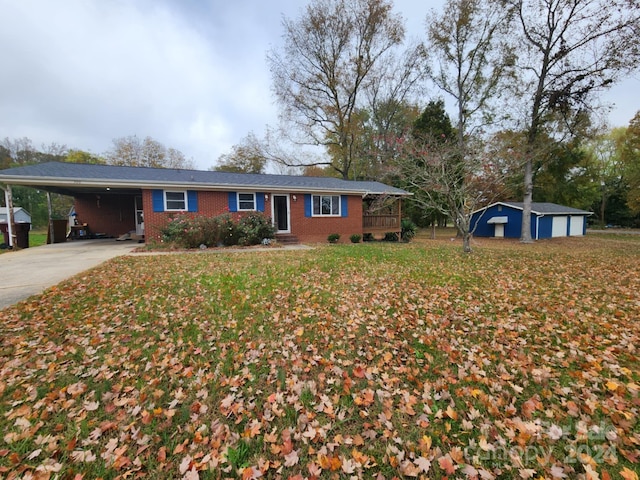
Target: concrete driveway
(30,271)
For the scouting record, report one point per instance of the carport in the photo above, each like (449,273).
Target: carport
(31,271)
(104,207)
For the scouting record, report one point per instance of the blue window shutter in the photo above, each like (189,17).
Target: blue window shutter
(157,197)
(307,205)
(344,201)
(260,202)
(233,202)
(192,200)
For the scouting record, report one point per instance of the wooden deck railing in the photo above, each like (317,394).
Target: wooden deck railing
(380,223)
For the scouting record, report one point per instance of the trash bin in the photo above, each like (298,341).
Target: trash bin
(59,231)
(22,234)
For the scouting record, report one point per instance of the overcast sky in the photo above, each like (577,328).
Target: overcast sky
(191,74)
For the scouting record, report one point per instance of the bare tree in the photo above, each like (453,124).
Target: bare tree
(471,59)
(378,140)
(570,50)
(5,157)
(246,157)
(390,110)
(134,152)
(470,62)
(447,185)
(334,53)
(20,150)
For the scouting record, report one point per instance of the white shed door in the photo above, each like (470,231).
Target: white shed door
(499,230)
(576,227)
(559,226)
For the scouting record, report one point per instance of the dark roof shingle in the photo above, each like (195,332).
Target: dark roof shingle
(111,174)
(547,208)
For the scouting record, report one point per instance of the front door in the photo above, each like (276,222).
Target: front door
(280,206)
(139,216)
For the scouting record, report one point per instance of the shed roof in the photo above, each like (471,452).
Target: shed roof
(20,215)
(78,175)
(3,210)
(542,208)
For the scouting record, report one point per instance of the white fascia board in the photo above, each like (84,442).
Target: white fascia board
(489,206)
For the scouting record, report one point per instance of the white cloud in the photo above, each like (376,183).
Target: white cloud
(84,73)
(190,73)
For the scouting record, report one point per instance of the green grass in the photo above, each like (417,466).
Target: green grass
(37,238)
(350,360)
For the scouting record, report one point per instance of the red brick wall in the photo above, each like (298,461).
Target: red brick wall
(111,214)
(317,229)
(312,230)
(210,204)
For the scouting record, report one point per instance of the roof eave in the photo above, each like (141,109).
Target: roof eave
(535,212)
(114,184)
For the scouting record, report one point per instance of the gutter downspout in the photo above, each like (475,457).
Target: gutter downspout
(538,226)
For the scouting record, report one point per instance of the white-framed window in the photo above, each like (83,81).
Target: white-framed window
(246,201)
(326,205)
(175,201)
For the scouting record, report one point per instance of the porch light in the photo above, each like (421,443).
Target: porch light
(295,199)
(266,197)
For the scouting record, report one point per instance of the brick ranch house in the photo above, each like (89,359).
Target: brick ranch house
(114,200)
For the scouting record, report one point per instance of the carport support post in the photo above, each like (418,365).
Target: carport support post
(8,197)
(50,208)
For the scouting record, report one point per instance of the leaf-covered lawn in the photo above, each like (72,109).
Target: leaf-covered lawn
(350,361)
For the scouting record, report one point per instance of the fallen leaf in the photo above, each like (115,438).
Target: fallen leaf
(446,464)
(628,474)
(291,459)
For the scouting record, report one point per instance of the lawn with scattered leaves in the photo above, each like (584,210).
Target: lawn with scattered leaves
(347,361)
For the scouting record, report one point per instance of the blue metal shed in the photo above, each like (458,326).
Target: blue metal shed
(548,220)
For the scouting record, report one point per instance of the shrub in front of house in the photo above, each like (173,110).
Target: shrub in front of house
(254,227)
(408,230)
(185,230)
(227,231)
(355,238)
(333,238)
(390,237)
(406,235)
(189,231)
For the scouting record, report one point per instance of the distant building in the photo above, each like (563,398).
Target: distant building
(20,215)
(548,220)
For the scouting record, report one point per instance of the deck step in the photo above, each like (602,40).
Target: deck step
(287,239)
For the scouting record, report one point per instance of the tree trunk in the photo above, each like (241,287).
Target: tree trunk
(466,242)
(50,210)
(525,235)
(433,229)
